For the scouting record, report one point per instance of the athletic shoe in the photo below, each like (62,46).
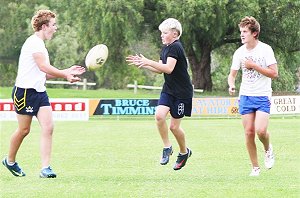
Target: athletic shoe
(47,173)
(181,159)
(166,155)
(14,169)
(255,172)
(269,157)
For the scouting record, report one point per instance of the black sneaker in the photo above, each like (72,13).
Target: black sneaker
(166,155)
(14,169)
(181,159)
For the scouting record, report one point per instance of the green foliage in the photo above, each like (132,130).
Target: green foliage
(64,48)
(127,26)
(221,63)
(8,73)
(15,25)
(286,80)
(280,23)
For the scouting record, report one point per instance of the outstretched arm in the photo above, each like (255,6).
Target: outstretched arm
(51,72)
(151,65)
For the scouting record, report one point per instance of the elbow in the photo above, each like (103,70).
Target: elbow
(43,68)
(169,71)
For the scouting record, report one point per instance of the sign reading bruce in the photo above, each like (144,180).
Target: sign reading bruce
(124,107)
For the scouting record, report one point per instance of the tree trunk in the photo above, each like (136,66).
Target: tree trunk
(201,76)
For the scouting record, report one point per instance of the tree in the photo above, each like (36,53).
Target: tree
(112,23)
(209,25)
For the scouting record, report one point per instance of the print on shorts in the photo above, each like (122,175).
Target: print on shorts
(180,109)
(20,102)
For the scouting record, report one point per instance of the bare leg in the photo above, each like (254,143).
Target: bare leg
(46,122)
(261,125)
(160,117)
(248,123)
(24,122)
(178,133)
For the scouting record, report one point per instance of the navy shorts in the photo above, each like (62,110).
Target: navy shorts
(28,101)
(178,107)
(251,104)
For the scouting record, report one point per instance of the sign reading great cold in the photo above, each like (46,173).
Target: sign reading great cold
(125,107)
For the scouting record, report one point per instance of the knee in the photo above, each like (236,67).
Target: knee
(261,133)
(250,133)
(24,131)
(48,129)
(174,127)
(159,118)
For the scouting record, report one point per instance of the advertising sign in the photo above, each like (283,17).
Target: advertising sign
(215,106)
(123,107)
(285,105)
(63,109)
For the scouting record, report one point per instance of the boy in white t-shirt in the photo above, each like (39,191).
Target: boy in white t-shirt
(29,93)
(258,64)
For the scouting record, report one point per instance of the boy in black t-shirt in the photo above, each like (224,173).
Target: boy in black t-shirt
(177,93)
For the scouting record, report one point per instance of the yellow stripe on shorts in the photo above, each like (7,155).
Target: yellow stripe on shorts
(20,103)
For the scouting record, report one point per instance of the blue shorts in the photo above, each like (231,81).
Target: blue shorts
(28,101)
(178,107)
(251,104)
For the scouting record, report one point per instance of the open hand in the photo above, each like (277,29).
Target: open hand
(76,70)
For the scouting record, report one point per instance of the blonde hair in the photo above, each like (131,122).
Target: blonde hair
(40,18)
(251,23)
(171,24)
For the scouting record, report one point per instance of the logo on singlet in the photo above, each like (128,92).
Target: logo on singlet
(180,108)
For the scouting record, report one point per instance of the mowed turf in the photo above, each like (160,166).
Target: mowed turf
(120,158)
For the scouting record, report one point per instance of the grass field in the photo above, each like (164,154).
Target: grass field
(120,158)
(5,93)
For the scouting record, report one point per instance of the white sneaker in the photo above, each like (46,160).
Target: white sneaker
(269,157)
(255,171)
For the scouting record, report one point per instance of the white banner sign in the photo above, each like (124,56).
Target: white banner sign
(285,105)
(63,109)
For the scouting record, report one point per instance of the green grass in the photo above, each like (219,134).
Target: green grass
(5,93)
(120,158)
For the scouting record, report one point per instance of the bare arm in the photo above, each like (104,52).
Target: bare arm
(151,65)
(271,71)
(52,72)
(231,81)
(151,68)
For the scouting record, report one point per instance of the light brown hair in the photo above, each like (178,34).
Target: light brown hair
(40,18)
(251,23)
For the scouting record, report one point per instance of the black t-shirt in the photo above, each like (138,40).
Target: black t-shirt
(178,83)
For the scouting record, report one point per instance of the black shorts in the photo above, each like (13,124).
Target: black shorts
(29,101)
(178,107)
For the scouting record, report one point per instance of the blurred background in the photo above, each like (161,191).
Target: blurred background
(210,37)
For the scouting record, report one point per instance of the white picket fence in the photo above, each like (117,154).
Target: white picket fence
(84,83)
(135,87)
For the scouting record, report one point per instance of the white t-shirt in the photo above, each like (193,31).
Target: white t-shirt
(253,82)
(29,74)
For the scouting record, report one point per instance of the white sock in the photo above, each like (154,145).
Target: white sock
(10,163)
